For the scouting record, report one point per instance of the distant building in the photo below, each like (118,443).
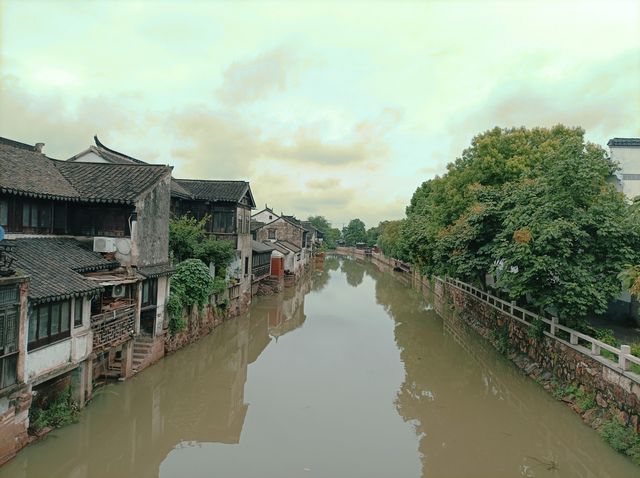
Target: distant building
(626,152)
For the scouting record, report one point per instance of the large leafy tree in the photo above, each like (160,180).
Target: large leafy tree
(354,232)
(391,240)
(535,207)
(330,235)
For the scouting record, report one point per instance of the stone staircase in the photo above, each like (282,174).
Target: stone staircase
(142,349)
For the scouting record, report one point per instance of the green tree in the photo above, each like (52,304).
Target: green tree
(372,236)
(354,232)
(189,240)
(329,234)
(391,239)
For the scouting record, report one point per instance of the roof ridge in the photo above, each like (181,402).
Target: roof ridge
(17,144)
(142,164)
(215,180)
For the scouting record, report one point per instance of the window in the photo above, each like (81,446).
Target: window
(223,220)
(246,266)
(272,233)
(49,323)
(36,215)
(4,212)
(77,312)
(9,316)
(149,292)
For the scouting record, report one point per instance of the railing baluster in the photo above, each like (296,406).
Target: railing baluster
(623,363)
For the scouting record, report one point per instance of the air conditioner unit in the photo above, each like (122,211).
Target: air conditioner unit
(119,290)
(104,244)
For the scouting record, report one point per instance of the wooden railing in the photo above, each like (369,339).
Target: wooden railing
(581,342)
(113,327)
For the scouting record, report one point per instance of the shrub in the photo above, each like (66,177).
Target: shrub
(60,411)
(622,439)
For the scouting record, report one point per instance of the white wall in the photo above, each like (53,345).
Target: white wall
(265,216)
(629,160)
(90,157)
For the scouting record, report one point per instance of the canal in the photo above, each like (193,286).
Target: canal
(352,374)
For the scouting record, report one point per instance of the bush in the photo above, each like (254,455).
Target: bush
(537,329)
(500,337)
(62,410)
(622,439)
(191,284)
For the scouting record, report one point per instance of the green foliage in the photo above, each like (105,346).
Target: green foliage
(372,236)
(500,338)
(330,234)
(175,310)
(510,206)
(630,278)
(188,240)
(221,253)
(191,284)
(391,240)
(62,410)
(585,401)
(185,234)
(622,439)
(354,232)
(537,330)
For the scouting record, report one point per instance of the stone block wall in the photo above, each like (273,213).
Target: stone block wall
(14,422)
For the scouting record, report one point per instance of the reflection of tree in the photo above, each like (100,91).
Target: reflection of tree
(322,275)
(353,271)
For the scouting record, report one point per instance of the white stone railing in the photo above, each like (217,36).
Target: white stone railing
(583,343)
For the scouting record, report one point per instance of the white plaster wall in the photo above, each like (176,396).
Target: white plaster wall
(265,216)
(90,157)
(163,294)
(48,358)
(629,160)
(81,345)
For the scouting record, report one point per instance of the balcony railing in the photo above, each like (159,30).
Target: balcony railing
(113,327)
(261,271)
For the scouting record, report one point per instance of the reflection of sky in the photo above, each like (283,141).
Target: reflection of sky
(347,106)
(322,399)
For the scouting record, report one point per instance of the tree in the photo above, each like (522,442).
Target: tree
(372,236)
(330,235)
(534,207)
(391,240)
(189,240)
(354,232)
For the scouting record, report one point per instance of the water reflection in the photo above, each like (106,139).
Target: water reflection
(194,397)
(473,412)
(373,383)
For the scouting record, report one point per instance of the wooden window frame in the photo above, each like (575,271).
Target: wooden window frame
(37,313)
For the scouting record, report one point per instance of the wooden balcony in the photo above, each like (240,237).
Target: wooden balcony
(114,327)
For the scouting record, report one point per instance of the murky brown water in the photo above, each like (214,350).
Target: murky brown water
(360,377)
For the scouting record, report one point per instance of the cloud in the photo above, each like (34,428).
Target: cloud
(65,130)
(603,99)
(323,183)
(255,79)
(364,141)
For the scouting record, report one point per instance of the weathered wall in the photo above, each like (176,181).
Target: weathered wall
(285,231)
(14,421)
(151,241)
(199,324)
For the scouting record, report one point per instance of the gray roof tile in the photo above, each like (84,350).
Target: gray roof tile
(624,142)
(55,266)
(216,190)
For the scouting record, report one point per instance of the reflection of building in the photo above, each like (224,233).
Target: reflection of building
(287,313)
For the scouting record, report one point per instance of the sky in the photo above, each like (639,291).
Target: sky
(333,108)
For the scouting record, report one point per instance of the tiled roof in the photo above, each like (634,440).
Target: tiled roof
(289,246)
(179,191)
(55,266)
(111,182)
(25,171)
(255,225)
(278,247)
(260,247)
(108,154)
(158,270)
(624,142)
(216,190)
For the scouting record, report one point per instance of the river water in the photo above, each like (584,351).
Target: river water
(352,374)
